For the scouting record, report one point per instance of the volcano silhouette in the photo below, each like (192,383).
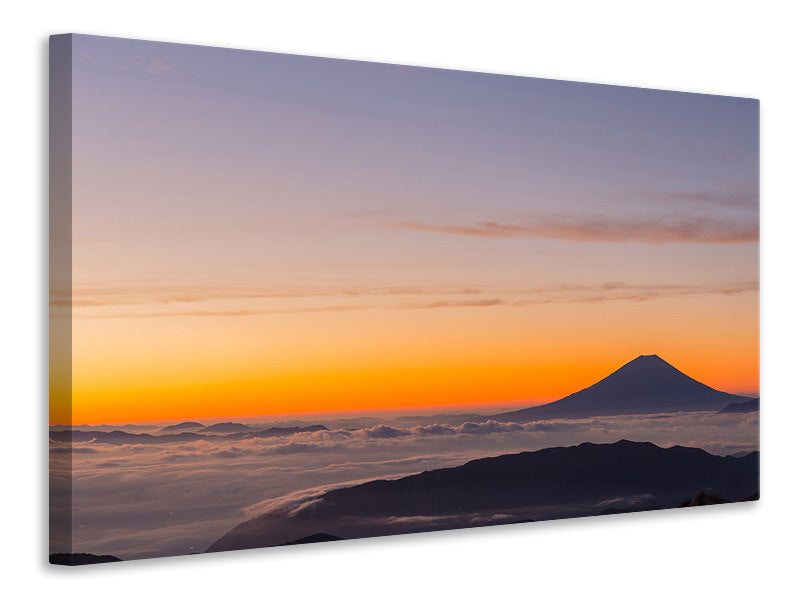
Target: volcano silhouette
(647,384)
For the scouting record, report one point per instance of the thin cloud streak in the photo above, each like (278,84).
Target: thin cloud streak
(87,298)
(604,292)
(743,197)
(98,298)
(313,309)
(226,313)
(644,294)
(601,229)
(458,303)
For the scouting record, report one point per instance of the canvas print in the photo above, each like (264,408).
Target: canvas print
(299,299)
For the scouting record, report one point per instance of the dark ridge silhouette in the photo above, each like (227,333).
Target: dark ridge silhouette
(742,407)
(123,437)
(551,483)
(272,432)
(225,428)
(742,453)
(74,435)
(647,384)
(312,539)
(180,427)
(80,558)
(552,475)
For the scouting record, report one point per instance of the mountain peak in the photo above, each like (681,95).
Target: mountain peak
(646,376)
(646,384)
(648,359)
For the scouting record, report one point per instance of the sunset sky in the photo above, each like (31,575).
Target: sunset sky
(259,233)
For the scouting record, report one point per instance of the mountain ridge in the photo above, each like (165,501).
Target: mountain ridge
(559,482)
(742,407)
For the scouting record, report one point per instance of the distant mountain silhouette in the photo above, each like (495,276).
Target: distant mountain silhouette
(530,486)
(647,384)
(742,407)
(225,428)
(81,558)
(123,437)
(180,427)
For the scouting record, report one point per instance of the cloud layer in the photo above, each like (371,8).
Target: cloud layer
(139,500)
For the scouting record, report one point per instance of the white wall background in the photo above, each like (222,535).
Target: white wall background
(733,48)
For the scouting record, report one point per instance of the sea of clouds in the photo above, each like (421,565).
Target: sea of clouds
(138,500)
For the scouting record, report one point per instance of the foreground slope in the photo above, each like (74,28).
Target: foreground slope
(551,483)
(647,384)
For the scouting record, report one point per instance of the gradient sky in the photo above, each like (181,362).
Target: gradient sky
(260,233)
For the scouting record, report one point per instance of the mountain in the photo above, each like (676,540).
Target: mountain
(225,428)
(647,384)
(180,426)
(742,407)
(123,437)
(530,486)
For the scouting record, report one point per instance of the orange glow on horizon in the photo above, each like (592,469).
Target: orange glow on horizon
(193,367)
(193,386)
